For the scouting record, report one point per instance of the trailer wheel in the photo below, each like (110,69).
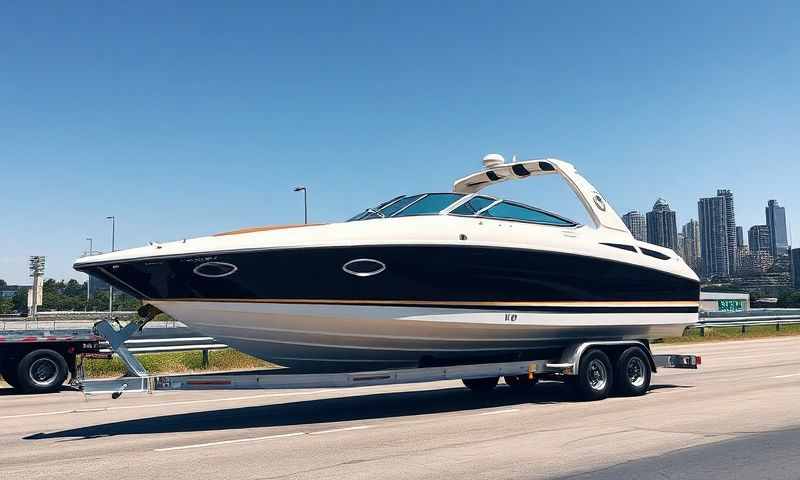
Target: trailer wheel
(519,383)
(42,371)
(595,376)
(633,373)
(481,384)
(10,375)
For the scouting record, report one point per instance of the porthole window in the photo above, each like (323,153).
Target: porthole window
(364,267)
(215,269)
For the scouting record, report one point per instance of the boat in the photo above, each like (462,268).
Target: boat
(419,280)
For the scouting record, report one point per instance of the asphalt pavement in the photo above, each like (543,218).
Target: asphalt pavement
(736,417)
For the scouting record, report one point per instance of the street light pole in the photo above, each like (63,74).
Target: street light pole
(88,279)
(305,202)
(110,288)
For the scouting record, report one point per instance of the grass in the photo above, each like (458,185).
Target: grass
(177,362)
(735,333)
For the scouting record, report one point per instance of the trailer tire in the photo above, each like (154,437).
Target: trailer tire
(595,376)
(519,383)
(481,385)
(9,373)
(633,373)
(42,371)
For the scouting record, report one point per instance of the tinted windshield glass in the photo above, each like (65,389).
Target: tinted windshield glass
(430,204)
(473,206)
(393,208)
(513,211)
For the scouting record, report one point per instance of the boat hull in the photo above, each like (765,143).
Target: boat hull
(331,337)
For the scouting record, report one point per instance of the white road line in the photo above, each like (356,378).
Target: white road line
(228,442)
(498,412)
(787,376)
(168,404)
(346,429)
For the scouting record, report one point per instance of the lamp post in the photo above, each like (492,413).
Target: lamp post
(37,270)
(88,279)
(305,202)
(110,288)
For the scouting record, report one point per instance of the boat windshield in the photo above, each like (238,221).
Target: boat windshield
(463,205)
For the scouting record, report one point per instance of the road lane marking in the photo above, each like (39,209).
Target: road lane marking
(498,412)
(229,442)
(787,376)
(346,429)
(168,404)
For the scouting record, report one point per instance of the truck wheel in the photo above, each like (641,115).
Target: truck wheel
(633,373)
(10,376)
(519,383)
(42,371)
(595,377)
(481,384)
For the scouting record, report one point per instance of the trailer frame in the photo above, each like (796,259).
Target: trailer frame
(568,367)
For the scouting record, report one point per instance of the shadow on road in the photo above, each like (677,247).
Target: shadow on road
(341,409)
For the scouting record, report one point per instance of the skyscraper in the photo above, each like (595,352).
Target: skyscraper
(796,267)
(662,228)
(758,238)
(730,230)
(637,224)
(691,244)
(713,236)
(776,222)
(739,238)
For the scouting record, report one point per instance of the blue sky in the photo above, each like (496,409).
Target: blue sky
(188,118)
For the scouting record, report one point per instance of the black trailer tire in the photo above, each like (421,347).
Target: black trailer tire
(595,377)
(481,385)
(633,373)
(519,383)
(42,371)
(9,373)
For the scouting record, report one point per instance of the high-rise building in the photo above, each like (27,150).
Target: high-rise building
(637,224)
(730,229)
(691,244)
(662,228)
(713,236)
(796,267)
(740,238)
(758,238)
(776,222)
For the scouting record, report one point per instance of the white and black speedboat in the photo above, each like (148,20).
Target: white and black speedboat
(421,279)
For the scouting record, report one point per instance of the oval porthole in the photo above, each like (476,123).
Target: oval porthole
(215,269)
(364,267)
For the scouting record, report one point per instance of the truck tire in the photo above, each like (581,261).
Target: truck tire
(9,373)
(595,376)
(633,373)
(519,383)
(42,371)
(481,385)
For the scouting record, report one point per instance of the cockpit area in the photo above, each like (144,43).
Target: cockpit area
(464,205)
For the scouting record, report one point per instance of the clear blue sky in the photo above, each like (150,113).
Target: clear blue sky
(189,118)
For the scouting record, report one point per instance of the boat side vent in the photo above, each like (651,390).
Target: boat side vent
(621,246)
(654,254)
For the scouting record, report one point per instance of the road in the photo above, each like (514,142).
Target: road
(738,416)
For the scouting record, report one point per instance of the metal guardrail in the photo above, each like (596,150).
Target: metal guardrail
(753,319)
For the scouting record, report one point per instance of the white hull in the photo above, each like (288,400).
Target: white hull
(350,337)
